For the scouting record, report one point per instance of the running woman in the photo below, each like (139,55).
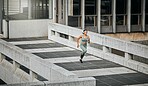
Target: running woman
(83,43)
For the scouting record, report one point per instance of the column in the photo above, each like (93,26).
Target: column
(33,75)
(50,9)
(43,8)
(46,12)
(129,15)
(7,19)
(65,14)
(106,49)
(70,7)
(83,14)
(143,15)
(29,10)
(35,9)
(1,57)
(64,11)
(128,56)
(59,10)
(99,15)
(57,34)
(71,38)
(54,11)
(114,15)
(7,13)
(51,32)
(16,65)
(20,10)
(38,9)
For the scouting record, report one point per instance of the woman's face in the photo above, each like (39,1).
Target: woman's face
(85,32)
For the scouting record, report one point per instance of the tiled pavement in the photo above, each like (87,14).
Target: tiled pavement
(106,73)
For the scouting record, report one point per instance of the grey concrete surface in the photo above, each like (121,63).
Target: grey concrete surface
(110,77)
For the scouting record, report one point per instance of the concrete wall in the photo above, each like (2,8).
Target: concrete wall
(28,28)
(107,42)
(130,36)
(75,82)
(5,33)
(121,28)
(10,74)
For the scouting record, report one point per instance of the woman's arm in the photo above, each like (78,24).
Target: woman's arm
(78,41)
(88,39)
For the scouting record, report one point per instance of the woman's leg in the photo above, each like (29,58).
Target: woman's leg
(84,50)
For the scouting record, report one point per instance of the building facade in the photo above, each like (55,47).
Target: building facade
(102,16)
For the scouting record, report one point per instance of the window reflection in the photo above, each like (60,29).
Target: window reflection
(76,7)
(90,7)
(120,20)
(135,6)
(135,12)
(121,6)
(106,20)
(106,6)
(134,19)
(106,17)
(146,10)
(19,10)
(121,11)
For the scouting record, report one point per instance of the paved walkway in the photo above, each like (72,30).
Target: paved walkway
(106,73)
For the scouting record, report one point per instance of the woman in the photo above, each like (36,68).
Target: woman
(83,43)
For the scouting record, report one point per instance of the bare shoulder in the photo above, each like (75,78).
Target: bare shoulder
(80,36)
(88,36)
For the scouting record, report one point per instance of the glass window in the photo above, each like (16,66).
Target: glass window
(76,7)
(106,6)
(18,10)
(146,10)
(89,20)
(146,19)
(90,7)
(146,6)
(106,11)
(134,19)
(120,20)
(121,6)
(106,20)
(39,9)
(135,6)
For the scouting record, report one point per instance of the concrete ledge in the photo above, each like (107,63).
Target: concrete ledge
(39,83)
(90,81)
(10,75)
(28,28)
(125,46)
